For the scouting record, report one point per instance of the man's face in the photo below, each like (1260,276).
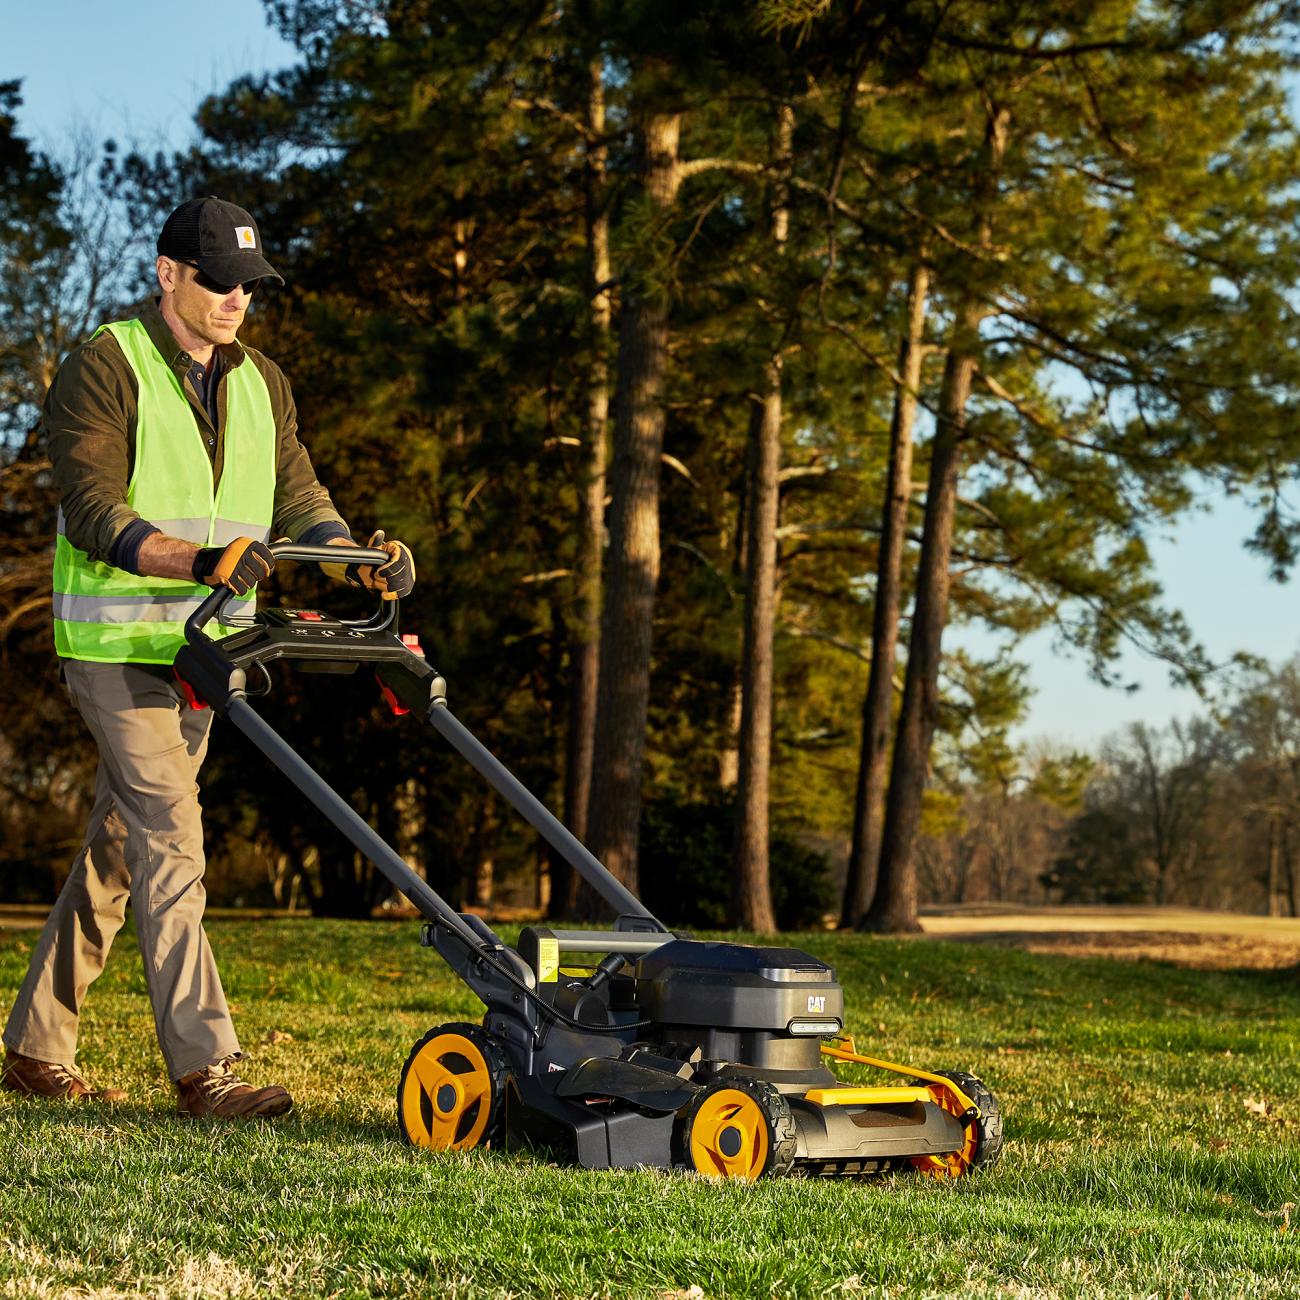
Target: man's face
(214,317)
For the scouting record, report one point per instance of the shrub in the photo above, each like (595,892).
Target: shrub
(685,867)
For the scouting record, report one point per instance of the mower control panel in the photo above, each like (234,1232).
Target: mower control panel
(303,620)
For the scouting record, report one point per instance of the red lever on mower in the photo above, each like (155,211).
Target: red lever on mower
(192,698)
(411,641)
(398,710)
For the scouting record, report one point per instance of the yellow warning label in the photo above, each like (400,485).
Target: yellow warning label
(548,960)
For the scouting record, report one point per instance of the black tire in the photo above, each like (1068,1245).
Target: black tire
(707,1152)
(473,1102)
(986,1147)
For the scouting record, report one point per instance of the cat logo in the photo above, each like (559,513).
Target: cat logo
(817,1002)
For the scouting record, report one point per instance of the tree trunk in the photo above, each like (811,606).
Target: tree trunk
(1292,882)
(484,879)
(877,708)
(1274,886)
(751,897)
(633,567)
(894,907)
(585,649)
(729,756)
(480,878)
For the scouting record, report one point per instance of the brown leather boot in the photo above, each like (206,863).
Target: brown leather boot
(36,1078)
(218,1090)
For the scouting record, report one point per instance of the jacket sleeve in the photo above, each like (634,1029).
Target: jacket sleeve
(88,415)
(302,504)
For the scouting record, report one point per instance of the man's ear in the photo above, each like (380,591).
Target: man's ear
(167,277)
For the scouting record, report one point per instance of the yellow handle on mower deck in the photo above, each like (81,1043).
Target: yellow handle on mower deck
(848,1054)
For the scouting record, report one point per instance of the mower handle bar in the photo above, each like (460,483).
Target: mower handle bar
(219,597)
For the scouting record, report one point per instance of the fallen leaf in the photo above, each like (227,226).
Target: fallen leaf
(1284,1214)
(1259,1108)
(691,1293)
(279,1036)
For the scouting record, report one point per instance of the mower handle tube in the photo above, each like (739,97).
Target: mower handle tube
(218,598)
(524,802)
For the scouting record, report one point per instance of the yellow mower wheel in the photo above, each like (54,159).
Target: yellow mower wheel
(983,1138)
(738,1128)
(451,1095)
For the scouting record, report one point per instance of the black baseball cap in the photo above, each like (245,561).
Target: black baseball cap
(219,238)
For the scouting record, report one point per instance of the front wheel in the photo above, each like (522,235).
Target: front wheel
(737,1128)
(983,1142)
(452,1091)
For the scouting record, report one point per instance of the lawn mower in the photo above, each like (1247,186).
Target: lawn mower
(623,1047)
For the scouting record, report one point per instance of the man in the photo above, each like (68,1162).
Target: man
(176,456)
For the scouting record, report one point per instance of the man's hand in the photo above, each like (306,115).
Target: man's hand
(239,566)
(395,578)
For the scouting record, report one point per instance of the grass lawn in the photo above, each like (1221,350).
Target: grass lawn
(1153,1122)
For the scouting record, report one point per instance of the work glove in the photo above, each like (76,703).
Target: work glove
(395,578)
(239,566)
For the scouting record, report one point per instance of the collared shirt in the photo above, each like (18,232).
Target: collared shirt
(90,419)
(207,384)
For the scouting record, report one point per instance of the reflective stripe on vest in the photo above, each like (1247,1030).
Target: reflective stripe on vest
(106,614)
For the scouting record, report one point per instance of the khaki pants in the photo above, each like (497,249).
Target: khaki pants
(144,841)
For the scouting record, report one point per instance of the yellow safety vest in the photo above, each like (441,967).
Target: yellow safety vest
(111,616)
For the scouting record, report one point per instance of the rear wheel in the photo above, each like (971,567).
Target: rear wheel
(983,1141)
(451,1095)
(737,1128)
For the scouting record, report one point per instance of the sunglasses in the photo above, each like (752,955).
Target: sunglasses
(205,281)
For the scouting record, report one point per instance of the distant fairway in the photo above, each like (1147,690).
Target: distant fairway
(1152,1118)
(1189,936)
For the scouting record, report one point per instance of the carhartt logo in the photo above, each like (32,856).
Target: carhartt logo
(244,237)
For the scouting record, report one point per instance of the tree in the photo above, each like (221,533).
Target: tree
(63,269)
(877,707)
(633,563)
(1020,294)
(751,889)
(585,651)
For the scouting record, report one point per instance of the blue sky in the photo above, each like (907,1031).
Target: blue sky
(137,70)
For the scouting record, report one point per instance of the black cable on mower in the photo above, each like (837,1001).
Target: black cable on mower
(544,1007)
